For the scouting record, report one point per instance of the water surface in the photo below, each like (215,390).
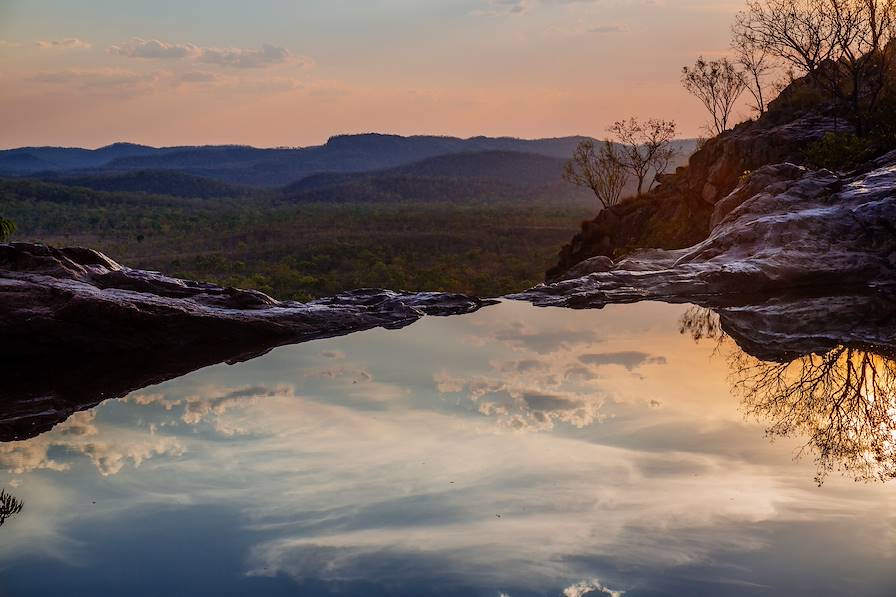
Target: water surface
(515,451)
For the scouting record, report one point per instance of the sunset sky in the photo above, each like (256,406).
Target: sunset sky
(294,72)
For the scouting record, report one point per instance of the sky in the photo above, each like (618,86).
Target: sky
(294,72)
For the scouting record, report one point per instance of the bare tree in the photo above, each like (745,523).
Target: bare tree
(863,28)
(717,84)
(850,37)
(599,169)
(9,506)
(756,62)
(646,147)
(800,32)
(841,400)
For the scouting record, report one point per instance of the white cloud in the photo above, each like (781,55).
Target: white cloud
(630,359)
(67,43)
(240,58)
(212,404)
(79,434)
(447,383)
(154,49)
(590,587)
(9,44)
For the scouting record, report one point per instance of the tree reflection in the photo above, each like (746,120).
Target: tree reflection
(842,400)
(9,506)
(700,323)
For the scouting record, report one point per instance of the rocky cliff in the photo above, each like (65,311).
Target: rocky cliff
(677,213)
(783,229)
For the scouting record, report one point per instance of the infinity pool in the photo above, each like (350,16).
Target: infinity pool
(512,452)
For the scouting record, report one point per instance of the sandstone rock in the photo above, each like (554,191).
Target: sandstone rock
(768,179)
(802,230)
(721,162)
(78,328)
(678,212)
(600,263)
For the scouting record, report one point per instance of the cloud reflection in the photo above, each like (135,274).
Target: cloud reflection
(427,493)
(79,435)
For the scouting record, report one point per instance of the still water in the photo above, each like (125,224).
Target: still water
(511,452)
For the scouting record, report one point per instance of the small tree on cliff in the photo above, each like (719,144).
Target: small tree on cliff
(6,229)
(841,44)
(863,29)
(717,84)
(756,62)
(599,169)
(646,147)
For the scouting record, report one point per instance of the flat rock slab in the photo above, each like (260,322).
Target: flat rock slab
(784,229)
(77,328)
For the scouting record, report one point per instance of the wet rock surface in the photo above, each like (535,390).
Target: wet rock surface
(784,328)
(784,229)
(78,328)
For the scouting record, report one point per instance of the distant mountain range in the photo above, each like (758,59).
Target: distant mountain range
(268,167)
(365,167)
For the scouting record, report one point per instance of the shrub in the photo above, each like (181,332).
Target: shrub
(838,151)
(6,229)
(882,123)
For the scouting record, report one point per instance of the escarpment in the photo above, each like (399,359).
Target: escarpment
(677,213)
(784,229)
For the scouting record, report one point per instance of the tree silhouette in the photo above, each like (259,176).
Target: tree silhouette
(9,506)
(802,33)
(756,62)
(843,400)
(646,147)
(600,170)
(717,84)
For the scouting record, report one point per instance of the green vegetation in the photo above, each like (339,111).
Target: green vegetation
(844,151)
(838,151)
(167,182)
(6,229)
(486,245)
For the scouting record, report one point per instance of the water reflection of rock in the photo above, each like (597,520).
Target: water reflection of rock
(79,328)
(823,369)
(9,506)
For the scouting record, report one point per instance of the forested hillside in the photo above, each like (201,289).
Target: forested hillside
(477,242)
(482,216)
